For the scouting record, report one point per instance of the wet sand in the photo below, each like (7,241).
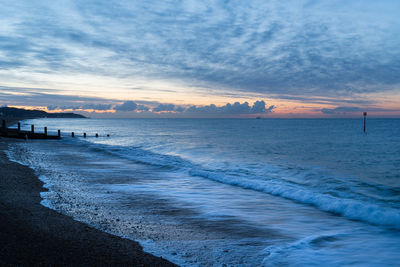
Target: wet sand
(32,235)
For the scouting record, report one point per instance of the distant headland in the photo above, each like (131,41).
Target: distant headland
(19,113)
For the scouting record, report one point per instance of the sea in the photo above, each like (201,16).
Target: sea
(229,192)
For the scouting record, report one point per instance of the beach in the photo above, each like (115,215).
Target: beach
(33,235)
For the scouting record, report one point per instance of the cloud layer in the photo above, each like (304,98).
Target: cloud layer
(308,48)
(235,108)
(259,107)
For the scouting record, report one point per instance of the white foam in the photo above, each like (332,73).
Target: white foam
(350,208)
(335,249)
(345,206)
(238,175)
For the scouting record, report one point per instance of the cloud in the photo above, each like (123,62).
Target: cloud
(259,107)
(52,107)
(25,96)
(131,106)
(340,110)
(322,100)
(142,108)
(126,106)
(179,109)
(235,108)
(97,106)
(311,48)
(164,107)
(20,96)
(349,110)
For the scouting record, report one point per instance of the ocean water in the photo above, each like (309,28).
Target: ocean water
(230,192)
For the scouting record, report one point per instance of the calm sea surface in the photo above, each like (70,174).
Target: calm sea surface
(242,192)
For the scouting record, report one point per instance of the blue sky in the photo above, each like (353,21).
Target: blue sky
(300,57)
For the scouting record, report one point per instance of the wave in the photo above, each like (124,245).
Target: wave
(277,255)
(352,208)
(313,240)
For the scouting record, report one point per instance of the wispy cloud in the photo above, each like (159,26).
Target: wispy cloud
(307,48)
(351,110)
(340,110)
(52,98)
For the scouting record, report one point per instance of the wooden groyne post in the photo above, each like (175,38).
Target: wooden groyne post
(21,134)
(24,134)
(365,122)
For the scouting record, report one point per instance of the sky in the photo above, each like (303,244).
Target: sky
(250,58)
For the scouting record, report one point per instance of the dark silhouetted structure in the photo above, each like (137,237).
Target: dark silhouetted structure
(365,122)
(18,133)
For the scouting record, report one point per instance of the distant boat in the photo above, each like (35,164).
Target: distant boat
(258,118)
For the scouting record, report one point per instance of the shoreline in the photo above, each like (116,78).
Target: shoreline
(32,234)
